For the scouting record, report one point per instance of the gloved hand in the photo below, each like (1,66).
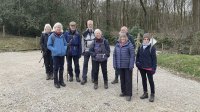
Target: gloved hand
(83,53)
(153,71)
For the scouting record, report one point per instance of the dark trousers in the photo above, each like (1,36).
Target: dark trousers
(144,75)
(126,81)
(96,70)
(85,66)
(58,64)
(76,64)
(116,74)
(48,62)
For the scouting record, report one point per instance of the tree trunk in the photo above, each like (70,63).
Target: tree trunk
(145,16)
(3,31)
(108,15)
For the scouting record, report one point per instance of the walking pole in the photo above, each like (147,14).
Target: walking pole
(137,81)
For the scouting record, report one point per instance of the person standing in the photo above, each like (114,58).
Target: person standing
(58,46)
(88,38)
(74,50)
(48,61)
(123,60)
(100,52)
(146,62)
(123,29)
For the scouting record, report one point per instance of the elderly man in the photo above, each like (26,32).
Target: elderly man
(87,39)
(123,29)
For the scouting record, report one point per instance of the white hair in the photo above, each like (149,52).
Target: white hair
(56,25)
(97,31)
(47,26)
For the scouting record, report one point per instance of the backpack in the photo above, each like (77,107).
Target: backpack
(101,56)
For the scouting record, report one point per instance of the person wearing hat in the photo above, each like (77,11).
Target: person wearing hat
(87,39)
(123,60)
(146,62)
(74,50)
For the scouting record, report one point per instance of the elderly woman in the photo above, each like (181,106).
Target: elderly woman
(123,61)
(58,46)
(146,62)
(100,51)
(46,52)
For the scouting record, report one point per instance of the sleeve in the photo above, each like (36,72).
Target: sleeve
(50,43)
(154,58)
(131,38)
(114,58)
(132,56)
(92,52)
(137,55)
(80,45)
(42,42)
(107,48)
(65,42)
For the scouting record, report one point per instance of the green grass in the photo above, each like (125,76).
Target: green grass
(17,43)
(188,64)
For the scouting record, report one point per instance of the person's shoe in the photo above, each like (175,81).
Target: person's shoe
(151,99)
(70,79)
(122,95)
(78,79)
(144,96)
(106,85)
(62,84)
(57,85)
(95,86)
(128,98)
(83,81)
(114,81)
(48,77)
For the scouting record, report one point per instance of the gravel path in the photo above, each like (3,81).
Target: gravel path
(23,88)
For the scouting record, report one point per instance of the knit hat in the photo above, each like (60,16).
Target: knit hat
(147,35)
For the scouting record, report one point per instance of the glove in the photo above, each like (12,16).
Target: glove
(153,71)
(83,53)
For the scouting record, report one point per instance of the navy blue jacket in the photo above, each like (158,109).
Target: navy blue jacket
(74,43)
(124,56)
(57,45)
(146,58)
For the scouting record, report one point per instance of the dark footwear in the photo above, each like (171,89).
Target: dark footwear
(62,84)
(48,77)
(151,99)
(92,80)
(78,79)
(145,95)
(83,81)
(57,85)
(106,85)
(128,98)
(122,95)
(114,81)
(95,86)
(70,79)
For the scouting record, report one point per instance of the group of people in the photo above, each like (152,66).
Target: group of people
(57,44)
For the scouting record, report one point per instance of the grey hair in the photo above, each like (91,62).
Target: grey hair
(97,30)
(56,25)
(122,35)
(45,27)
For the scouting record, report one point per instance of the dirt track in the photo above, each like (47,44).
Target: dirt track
(23,88)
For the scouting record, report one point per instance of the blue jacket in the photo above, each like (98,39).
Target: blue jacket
(146,58)
(103,51)
(124,57)
(74,43)
(57,45)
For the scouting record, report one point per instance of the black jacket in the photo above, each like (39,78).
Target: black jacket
(43,42)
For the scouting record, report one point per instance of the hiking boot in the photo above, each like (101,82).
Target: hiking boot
(151,99)
(57,85)
(62,84)
(106,84)
(95,85)
(128,98)
(122,95)
(145,95)
(48,77)
(83,81)
(70,79)
(114,81)
(78,79)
